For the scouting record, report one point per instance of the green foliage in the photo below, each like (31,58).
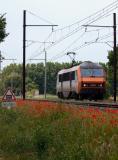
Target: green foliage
(12,77)
(111,70)
(3,33)
(54,136)
(16,135)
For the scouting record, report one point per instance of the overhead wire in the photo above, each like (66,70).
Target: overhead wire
(85,45)
(45,20)
(38,51)
(114,3)
(62,52)
(90,19)
(93,41)
(105,11)
(39,17)
(69,46)
(82,45)
(93,17)
(75,31)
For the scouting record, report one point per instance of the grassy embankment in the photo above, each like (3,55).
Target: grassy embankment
(58,133)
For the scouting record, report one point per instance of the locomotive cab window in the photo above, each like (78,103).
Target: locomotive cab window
(98,72)
(92,72)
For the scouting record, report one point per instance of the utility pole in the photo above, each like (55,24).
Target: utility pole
(115,57)
(114,51)
(24,51)
(45,83)
(24,46)
(45,77)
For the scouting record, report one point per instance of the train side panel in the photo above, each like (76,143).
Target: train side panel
(67,83)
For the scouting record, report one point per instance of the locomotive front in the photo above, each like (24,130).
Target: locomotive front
(93,79)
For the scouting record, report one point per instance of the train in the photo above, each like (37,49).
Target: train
(84,81)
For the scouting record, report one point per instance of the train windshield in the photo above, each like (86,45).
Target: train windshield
(92,72)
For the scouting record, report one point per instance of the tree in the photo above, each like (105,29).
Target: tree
(35,74)
(111,69)
(3,33)
(12,77)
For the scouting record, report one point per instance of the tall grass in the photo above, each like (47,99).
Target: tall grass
(57,135)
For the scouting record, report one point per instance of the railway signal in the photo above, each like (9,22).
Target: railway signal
(8,100)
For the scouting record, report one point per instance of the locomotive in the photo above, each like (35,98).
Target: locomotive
(85,81)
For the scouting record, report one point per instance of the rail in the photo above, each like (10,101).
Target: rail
(83,103)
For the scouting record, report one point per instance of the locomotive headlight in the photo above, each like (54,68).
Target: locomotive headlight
(100,85)
(84,85)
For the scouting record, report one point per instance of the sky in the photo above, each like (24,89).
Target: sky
(58,12)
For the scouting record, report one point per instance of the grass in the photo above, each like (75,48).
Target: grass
(47,132)
(41,96)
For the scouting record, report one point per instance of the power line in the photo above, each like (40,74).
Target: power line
(92,42)
(62,52)
(66,36)
(91,19)
(39,48)
(102,10)
(4,59)
(78,26)
(39,17)
(83,46)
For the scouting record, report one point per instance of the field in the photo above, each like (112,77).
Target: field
(47,131)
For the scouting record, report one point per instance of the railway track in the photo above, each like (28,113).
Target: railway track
(85,103)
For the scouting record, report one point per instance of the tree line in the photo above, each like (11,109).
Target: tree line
(11,76)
